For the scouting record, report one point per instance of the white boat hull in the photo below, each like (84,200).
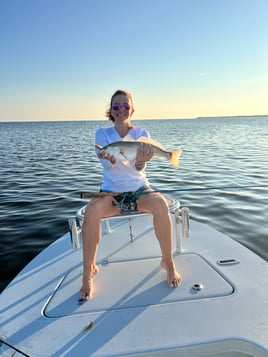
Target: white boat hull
(220,308)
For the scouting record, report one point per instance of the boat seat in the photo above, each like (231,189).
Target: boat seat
(174,207)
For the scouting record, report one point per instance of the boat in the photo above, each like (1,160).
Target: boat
(219,309)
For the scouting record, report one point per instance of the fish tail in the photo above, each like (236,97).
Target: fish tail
(174,158)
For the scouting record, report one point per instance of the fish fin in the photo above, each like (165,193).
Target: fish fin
(125,158)
(126,163)
(145,139)
(174,158)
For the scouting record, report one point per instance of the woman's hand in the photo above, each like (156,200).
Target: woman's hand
(144,154)
(106,156)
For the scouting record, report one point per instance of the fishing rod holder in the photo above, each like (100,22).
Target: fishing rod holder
(185,217)
(182,226)
(75,233)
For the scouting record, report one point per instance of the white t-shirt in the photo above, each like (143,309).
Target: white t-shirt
(119,177)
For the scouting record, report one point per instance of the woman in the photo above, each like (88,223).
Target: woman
(119,177)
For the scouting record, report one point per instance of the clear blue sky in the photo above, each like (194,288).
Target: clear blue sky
(62,59)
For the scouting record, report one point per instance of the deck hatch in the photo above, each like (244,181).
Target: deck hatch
(138,283)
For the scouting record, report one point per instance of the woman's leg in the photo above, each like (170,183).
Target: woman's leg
(156,204)
(91,234)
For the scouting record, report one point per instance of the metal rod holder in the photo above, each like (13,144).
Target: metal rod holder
(185,222)
(177,231)
(74,233)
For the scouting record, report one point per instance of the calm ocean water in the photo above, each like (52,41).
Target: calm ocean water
(45,165)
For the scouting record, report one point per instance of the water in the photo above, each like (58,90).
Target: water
(45,165)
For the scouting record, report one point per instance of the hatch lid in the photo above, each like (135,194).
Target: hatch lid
(136,283)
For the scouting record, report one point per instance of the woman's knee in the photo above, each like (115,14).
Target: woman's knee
(162,206)
(93,210)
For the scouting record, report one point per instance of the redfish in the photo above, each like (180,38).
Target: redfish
(126,150)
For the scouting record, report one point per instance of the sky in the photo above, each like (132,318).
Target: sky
(63,59)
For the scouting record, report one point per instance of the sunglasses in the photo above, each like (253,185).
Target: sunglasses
(125,106)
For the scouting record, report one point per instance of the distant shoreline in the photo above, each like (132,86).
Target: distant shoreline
(134,119)
(234,116)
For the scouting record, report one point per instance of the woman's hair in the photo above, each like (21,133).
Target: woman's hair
(118,92)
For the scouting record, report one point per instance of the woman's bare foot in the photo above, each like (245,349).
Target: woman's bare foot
(87,289)
(173,277)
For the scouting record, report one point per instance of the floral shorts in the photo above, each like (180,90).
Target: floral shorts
(127,201)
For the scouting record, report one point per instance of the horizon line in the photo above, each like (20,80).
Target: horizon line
(141,119)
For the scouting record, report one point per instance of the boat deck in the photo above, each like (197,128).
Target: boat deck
(219,309)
